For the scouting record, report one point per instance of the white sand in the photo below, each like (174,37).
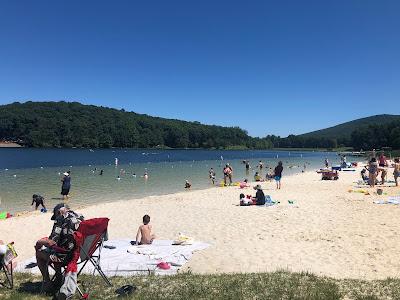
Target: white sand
(328,230)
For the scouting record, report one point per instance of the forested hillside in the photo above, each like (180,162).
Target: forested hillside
(71,124)
(62,124)
(342,132)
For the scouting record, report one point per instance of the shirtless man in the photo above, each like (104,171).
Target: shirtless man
(144,231)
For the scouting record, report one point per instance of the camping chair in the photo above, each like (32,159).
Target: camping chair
(6,267)
(89,239)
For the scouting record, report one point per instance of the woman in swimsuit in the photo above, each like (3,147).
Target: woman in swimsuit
(373,171)
(396,172)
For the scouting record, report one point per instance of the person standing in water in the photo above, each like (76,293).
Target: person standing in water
(211,174)
(247,167)
(66,185)
(326,162)
(228,174)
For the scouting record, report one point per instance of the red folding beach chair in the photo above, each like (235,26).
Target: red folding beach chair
(89,239)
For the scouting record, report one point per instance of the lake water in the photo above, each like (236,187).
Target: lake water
(24,172)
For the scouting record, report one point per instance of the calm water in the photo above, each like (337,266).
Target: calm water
(24,172)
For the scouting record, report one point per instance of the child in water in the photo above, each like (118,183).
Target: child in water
(211,174)
(145,233)
(38,200)
(188,185)
(257,177)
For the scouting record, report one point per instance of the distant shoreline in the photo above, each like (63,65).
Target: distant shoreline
(5,144)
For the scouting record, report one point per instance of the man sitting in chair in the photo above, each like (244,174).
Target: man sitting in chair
(57,248)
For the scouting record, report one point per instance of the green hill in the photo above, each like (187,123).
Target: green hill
(344,130)
(71,124)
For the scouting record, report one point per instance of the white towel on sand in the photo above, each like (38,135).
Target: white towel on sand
(127,260)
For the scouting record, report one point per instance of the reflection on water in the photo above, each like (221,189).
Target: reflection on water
(167,171)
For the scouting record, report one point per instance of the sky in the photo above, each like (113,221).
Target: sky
(269,67)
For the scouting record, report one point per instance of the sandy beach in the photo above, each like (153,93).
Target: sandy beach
(327,231)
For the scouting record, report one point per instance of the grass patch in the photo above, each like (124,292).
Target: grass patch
(275,285)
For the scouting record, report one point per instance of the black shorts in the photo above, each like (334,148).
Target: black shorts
(64,192)
(37,203)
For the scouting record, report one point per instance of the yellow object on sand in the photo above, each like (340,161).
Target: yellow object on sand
(183,240)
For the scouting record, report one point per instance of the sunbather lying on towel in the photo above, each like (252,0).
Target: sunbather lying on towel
(245,201)
(144,232)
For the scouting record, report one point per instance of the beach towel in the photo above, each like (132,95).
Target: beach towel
(269,201)
(391,200)
(127,260)
(394,200)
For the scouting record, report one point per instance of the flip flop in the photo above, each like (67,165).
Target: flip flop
(125,290)
(109,247)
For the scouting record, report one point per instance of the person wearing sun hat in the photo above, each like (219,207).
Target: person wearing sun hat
(260,197)
(66,222)
(66,185)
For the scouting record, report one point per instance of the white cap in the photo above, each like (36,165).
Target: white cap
(3,249)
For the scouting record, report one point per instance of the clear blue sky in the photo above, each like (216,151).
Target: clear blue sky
(267,66)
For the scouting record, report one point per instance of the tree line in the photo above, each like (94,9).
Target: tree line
(71,124)
(377,136)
